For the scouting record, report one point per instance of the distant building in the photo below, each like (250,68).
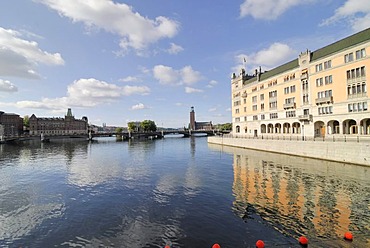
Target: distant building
(10,124)
(194,125)
(57,125)
(319,94)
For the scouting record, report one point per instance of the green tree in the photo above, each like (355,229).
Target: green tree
(119,130)
(148,126)
(26,121)
(227,126)
(131,126)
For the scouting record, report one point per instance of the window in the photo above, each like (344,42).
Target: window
(273,94)
(357,107)
(305,98)
(327,64)
(245,118)
(348,58)
(361,53)
(324,94)
(357,73)
(262,97)
(262,117)
(286,90)
(262,106)
(237,119)
(319,82)
(356,89)
(236,111)
(329,79)
(319,67)
(255,117)
(292,88)
(325,110)
(245,109)
(289,100)
(244,100)
(254,107)
(273,105)
(290,114)
(254,99)
(273,115)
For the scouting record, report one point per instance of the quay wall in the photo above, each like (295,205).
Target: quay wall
(347,152)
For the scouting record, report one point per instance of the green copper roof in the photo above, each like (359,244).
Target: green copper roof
(352,40)
(342,44)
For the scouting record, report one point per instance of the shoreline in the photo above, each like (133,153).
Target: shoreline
(344,152)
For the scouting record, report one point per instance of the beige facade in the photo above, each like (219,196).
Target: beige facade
(319,94)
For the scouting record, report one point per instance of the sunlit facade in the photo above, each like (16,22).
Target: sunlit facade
(321,93)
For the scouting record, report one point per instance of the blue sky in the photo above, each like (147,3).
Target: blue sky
(119,61)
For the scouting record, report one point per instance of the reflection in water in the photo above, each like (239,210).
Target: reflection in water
(301,196)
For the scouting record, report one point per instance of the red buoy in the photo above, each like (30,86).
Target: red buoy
(348,236)
(167,246)
(260,244)
(216,246)
(303,240)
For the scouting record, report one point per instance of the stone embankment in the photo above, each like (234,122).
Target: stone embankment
(347,152)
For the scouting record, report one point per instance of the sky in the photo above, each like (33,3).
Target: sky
(117,61)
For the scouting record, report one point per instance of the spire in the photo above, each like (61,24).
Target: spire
(69,112)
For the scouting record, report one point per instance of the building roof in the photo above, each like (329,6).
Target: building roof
(340,45)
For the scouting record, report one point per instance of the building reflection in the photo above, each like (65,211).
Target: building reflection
(300,196)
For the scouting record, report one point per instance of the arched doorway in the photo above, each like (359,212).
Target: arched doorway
(319,129)
(286,128)
(237,129)
(263,128)
(270,128)
(296,127)
(277,128)
(333,127)
(365,126)
(350,127)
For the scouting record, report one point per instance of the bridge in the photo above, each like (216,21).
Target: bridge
(158,134)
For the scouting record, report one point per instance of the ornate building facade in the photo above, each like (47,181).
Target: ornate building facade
(321,93)
(58,126)
(10,124)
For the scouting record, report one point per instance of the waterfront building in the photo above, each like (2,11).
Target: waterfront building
(58,125)
(320,93)
(10,124)
(197,125)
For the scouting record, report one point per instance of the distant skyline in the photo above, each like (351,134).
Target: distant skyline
(120,61)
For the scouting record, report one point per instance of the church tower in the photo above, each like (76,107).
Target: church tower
(192,119)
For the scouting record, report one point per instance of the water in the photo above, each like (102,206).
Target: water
(180,192)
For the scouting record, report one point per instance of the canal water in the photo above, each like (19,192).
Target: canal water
(181,192)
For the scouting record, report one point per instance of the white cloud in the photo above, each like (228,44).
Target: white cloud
(138,106)
(268,9)
(212,83)
(275,55)
(168,76)
(175,49)
(130,79)
(136,32)
(19,57)
(7,86)
(190,90)
(85,93)
(355,12)
(212,109)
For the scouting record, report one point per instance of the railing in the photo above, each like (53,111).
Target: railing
(328,99)
(300,137)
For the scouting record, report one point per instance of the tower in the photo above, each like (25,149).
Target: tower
(192,119)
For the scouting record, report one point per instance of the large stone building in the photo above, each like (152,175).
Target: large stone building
(10,124)
(321,93)
(58,126)
(197,125)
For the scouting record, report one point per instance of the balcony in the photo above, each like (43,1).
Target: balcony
(357,95)
(305,117)
(289,105)
(322,100)
(244,95)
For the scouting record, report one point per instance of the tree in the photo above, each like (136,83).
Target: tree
(26,121)
(131,126)
(227,126)
(148,126)
(119,130)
